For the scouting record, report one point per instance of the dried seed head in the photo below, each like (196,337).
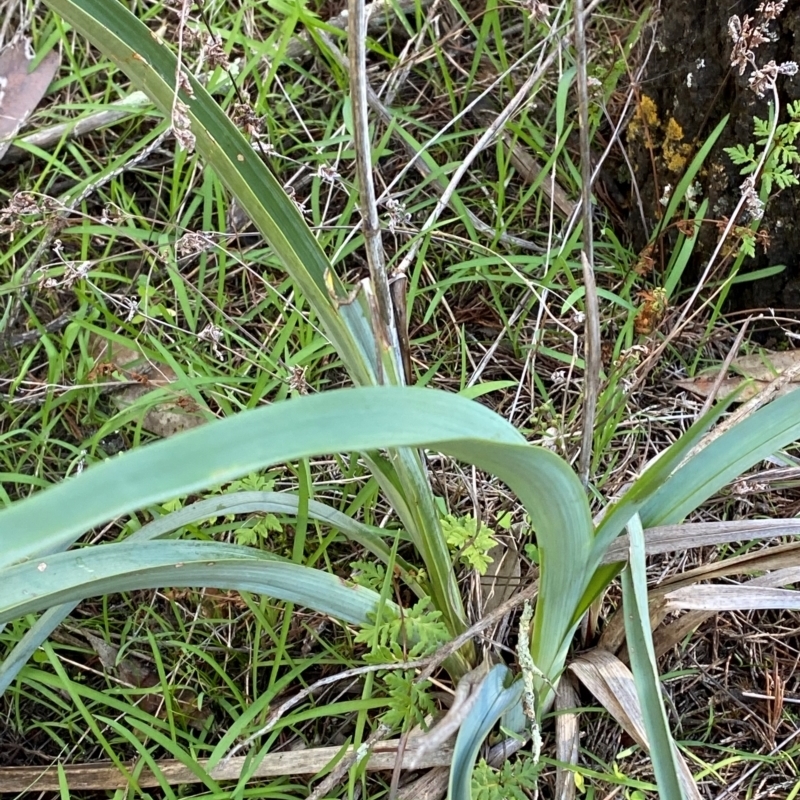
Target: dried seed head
(181,126)
(213,52)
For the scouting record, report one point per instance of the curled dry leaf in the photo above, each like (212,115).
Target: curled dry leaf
(139,376)
(611,682)
(761,368)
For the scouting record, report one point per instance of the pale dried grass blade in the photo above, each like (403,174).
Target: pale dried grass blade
(567,737)
(669,635)
(105,777)
(785,556)
(776,558)
(431,786)
(671,538)
(748,596)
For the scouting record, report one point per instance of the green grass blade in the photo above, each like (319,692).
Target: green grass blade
(679,195)
(72,576)
(33,639)
(683,253)
(152,67)
(645,671)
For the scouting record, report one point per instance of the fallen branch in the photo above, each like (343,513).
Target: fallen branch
(105,776)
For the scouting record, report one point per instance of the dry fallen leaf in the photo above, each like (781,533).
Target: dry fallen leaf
(567,737)
(762,368)
(502,576)
(21,90)
(140,376)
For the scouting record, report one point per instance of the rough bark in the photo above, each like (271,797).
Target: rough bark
(688,88)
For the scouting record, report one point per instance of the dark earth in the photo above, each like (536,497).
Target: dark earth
(692,38)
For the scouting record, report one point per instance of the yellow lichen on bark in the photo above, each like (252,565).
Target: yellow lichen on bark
(675,151)
(644,118)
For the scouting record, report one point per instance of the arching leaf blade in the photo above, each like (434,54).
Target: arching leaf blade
(494,700)
(643,665)
(753,439)
(362,419)
(103,569)
(234,503)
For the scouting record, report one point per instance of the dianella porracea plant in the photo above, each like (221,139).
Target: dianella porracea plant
(389,424)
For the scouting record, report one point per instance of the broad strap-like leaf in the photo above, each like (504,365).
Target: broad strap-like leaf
(495,698)
(621,511)
(654,477)
(369,537)
(153,67)
(663,751)
(233,503)
(351,419)
(72,576)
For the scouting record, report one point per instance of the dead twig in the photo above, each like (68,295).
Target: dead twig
(383,322)
(591,379)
